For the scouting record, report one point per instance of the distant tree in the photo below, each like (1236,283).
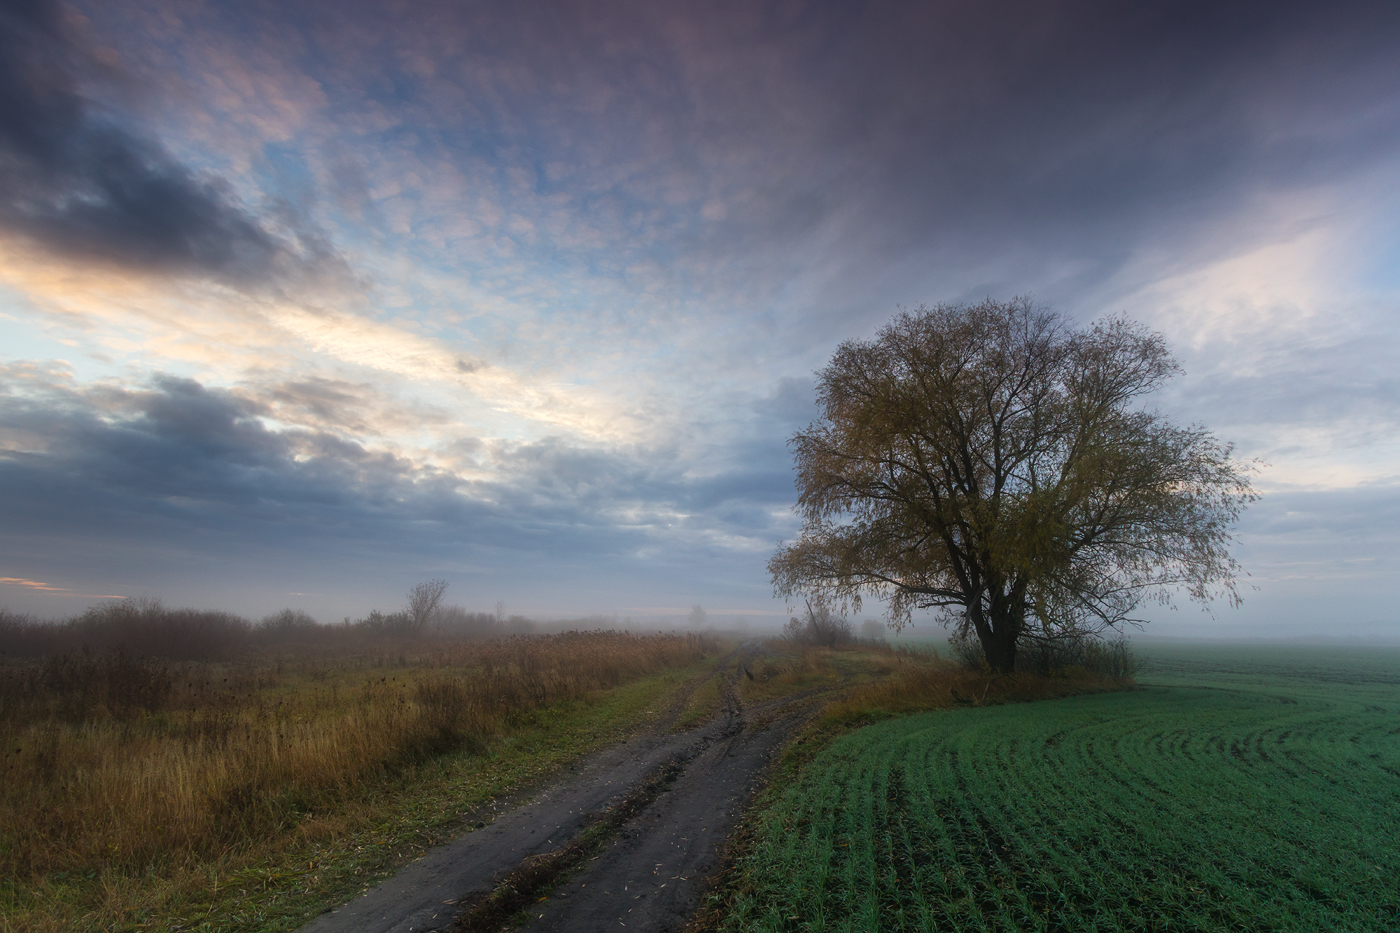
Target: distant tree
(697,617)
(396,624)
(454,620)
(819,626)
(286,624)
(995,463)
(423,602)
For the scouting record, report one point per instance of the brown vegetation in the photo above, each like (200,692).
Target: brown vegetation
(925,683)
(116,763)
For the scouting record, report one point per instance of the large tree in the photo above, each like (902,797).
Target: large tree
(997,463)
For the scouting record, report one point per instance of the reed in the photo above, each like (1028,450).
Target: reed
(125,765)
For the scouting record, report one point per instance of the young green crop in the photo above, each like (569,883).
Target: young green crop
(1263,801)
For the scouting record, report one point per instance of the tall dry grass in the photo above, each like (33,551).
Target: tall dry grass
(925,681)
(115,763)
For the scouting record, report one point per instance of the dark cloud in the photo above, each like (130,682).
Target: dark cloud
(76,180)
(877,151)
(178,458)
(1042,144)
(886,148)
(196,471)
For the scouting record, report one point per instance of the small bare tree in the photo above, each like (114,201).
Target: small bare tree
(820,626)
(423,602)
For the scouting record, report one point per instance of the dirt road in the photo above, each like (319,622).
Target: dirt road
(625,841)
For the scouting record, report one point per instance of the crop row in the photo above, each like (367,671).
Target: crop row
(1161,809)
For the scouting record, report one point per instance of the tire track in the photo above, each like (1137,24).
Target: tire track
(655,809)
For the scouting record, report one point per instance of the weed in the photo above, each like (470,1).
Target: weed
(134,772)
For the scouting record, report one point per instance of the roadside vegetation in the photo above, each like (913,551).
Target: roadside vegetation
(168,769)
(1216,797)
(820,649)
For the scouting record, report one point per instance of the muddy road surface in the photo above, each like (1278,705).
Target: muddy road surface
(626,840)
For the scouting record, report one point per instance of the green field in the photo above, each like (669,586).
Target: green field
(1240,788)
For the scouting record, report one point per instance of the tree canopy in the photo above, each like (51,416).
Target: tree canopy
(997,463)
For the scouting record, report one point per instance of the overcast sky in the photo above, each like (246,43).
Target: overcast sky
(302,303)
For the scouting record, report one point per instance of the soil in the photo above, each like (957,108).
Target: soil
(625,840)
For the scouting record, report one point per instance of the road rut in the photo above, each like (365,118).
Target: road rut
(647,874)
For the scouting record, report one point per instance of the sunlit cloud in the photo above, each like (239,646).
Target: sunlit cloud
(33,585)
(41,587)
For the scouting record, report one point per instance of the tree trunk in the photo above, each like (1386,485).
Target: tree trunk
(999,645)
(998,632)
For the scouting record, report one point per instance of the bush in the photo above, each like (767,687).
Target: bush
(24,636)
(287,625)
(819,627)
(145,627)
(966,649)
(1108,658)
(458,622)
(385,623)
(140,627)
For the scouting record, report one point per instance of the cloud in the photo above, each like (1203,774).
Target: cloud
(1286,351)
(78,181)
(200,471)
(41,587)
(33,585)
(584,264)
(1325,535)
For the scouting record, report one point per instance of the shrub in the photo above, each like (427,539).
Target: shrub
(290,626)
(819,627)
(966,649)
(22,635)
(140,627)
(458,622)
(1044,656)
(385,623)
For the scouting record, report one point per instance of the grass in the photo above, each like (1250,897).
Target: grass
(789,669)
(251,794)
(1237,790)
(703,704)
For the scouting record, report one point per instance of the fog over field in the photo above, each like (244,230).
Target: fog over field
(304,303)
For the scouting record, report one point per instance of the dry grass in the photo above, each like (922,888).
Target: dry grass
(791,669)
(114,767)
(922,682)
(874,681)
(704,703)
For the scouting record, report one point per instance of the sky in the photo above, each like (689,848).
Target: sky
(302,303)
